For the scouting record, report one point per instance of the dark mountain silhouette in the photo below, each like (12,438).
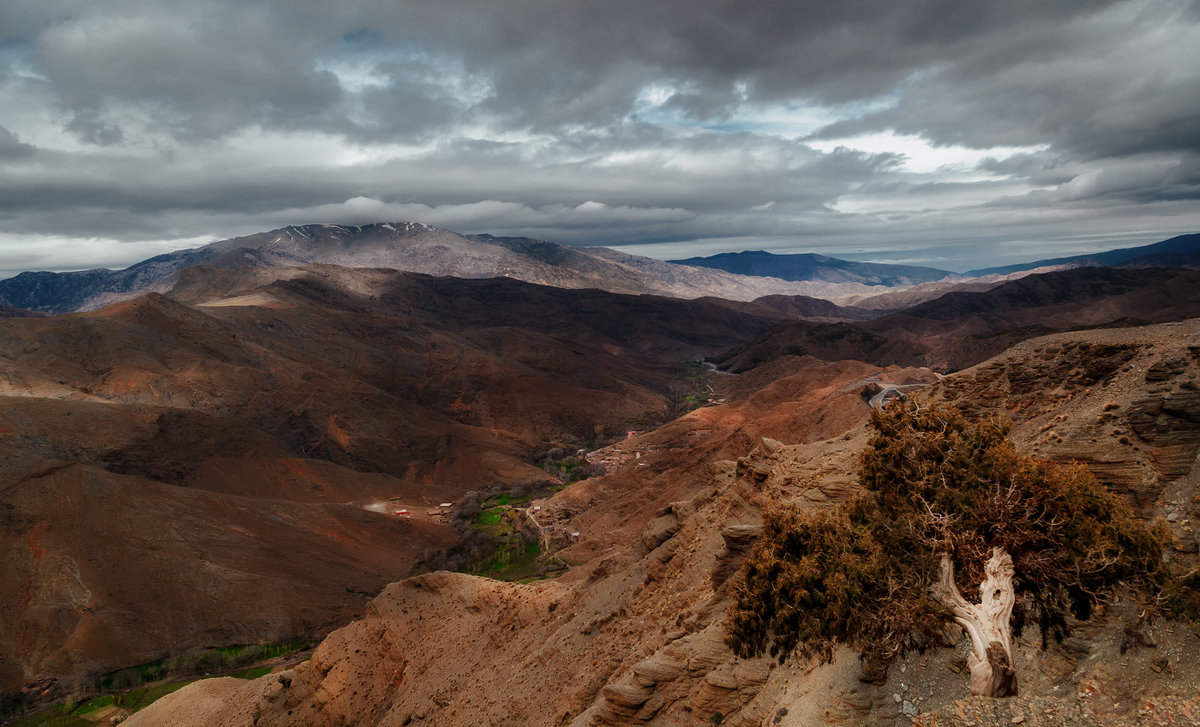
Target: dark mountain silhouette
(87,289)
(809,266)
(792,307)
(1181,251)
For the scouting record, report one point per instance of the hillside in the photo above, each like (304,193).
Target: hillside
(960,329)
(177,476)
(634,633)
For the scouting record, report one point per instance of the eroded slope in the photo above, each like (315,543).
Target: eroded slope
(176,476)
(634,635)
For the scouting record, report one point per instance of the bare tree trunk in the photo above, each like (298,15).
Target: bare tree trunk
(988,623)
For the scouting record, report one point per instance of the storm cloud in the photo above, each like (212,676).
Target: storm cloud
(947,133)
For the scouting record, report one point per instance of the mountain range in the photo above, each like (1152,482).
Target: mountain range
(413,247)
(416,247)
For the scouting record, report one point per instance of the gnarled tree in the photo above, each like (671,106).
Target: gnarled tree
(944,494)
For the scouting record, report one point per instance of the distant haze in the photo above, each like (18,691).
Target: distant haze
(937,133)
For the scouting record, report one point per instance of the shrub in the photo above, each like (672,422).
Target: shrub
(809,585)
(935,484)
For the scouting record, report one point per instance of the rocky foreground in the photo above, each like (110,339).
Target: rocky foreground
(634,634)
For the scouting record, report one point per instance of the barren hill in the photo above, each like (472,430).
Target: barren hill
(187,475)
(960,329)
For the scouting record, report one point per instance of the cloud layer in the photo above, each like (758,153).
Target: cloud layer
(949,133)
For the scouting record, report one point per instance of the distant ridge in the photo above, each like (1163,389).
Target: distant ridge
(1178,252)
(963,328)
(413,247)
(420,248)
(7,311)
(813,267)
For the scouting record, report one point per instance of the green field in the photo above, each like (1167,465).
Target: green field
(136,690)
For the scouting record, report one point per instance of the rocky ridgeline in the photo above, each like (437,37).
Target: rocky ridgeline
(1124,403)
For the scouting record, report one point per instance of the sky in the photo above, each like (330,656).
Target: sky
(949,133)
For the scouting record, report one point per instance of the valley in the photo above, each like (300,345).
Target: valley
(528,503)
(635,633)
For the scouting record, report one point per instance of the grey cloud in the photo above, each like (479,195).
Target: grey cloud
(529,117)
(1139,181)
(710,171)
(13,148)
(1111,86)
(209,67)
(95,126)
(201,74)
(1043,169)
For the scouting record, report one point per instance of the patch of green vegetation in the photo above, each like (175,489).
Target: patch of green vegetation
(118,691)
(251,653)
(498,540)
(513,563)
(69,715)
(694,391)
(155,693)
(219,659)
(694,369)
(254,673)
(490,517)
(64,714)
(93,705)
(132,698)
(53,717)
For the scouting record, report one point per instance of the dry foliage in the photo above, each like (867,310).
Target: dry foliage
(937,483)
